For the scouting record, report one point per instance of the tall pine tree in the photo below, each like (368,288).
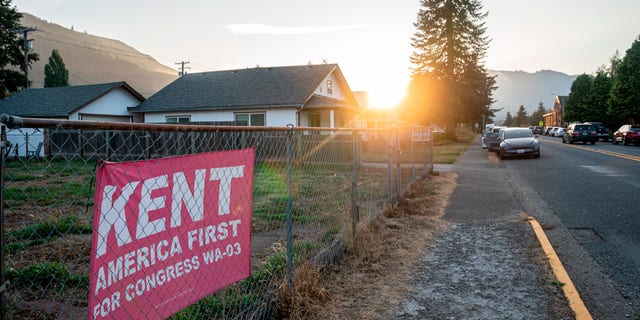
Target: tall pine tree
(55,72)
(449,46)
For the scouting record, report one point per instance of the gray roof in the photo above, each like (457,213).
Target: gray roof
(290,86)
(59,101)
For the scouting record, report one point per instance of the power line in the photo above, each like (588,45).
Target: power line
(182,63)
(25,47)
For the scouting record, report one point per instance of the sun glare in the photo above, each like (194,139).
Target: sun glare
(387,96)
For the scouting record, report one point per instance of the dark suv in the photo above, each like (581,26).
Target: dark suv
(577,132)
(601,131)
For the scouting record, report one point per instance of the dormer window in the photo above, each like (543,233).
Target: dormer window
(329,87)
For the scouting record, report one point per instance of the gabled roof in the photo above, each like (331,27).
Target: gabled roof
(59,101)
(290,86)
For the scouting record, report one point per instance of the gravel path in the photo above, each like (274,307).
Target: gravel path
(484,271)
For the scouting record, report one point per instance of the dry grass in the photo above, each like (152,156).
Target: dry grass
(305,295)
(374,274)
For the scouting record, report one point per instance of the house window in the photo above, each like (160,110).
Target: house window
(314,119)
(329,87)
(177,119)
(251,119)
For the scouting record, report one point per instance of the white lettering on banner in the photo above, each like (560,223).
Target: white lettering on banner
(212,233)
(135,261)
(112,215)
(194,202)
(147,204)
(111,218)
(225,175)
(159,278)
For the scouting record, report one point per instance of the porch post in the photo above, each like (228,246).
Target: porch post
(332,120)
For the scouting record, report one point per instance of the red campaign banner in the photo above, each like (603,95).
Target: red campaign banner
(168,232)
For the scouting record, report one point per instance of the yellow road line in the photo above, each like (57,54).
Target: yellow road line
(570,292)
(610,153)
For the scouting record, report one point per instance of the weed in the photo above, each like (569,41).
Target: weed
(46,275)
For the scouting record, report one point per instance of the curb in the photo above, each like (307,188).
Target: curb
(575,302)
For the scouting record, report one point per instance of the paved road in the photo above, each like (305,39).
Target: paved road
(586,200)
(593,191)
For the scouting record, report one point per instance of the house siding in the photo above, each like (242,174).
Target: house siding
(115,103)
(274,118)
(338,92)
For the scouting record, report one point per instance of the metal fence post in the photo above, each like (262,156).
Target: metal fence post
(413,156)
(289,205)
(398,165)
(354,184)
(430,145)
(390,164)
(3,284)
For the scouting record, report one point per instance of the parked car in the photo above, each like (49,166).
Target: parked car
(554,132)
(560,132)
(492,139)
(487,129)
(537,130)
(518,142)
(580,132)
(602,132)
(627,134)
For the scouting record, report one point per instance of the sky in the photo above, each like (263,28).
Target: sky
(369,39)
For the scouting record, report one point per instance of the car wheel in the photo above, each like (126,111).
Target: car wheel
(593,142)
(624,141)
(570,141)
(502,156)
(537,155)
(613,141)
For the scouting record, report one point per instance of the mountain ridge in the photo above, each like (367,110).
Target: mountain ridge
(94,59)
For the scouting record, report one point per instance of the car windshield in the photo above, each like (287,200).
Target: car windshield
(517,133)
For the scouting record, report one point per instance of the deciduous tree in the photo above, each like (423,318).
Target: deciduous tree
(11,54)
(577,104)
(625,93)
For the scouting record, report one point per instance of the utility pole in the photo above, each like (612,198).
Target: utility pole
(26,45)
(182,63)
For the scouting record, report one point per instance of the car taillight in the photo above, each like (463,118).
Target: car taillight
(575,133)
(593,133)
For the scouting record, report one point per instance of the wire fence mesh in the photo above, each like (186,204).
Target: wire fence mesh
(310,187)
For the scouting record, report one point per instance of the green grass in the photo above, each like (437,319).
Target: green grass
(44,232)
(447,151)
(49,275)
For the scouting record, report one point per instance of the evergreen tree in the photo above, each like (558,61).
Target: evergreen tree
(449,45)
(521,119)
(508,120)
(537,116)
(577,105)
(55,72)
(11,54)
(624,102)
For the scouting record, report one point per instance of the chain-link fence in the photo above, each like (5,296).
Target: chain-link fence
(310,187)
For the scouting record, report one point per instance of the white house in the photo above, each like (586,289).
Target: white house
(305,96)
(97,102)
